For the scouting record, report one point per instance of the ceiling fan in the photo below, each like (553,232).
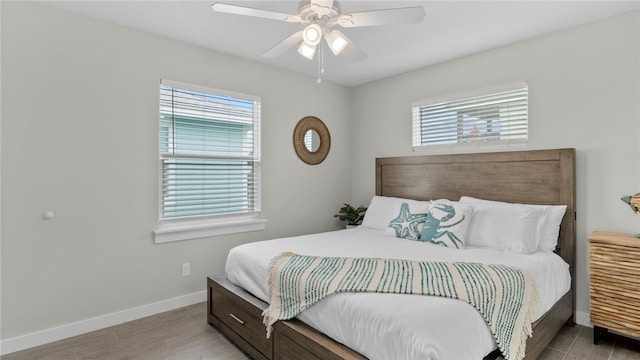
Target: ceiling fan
(319,18)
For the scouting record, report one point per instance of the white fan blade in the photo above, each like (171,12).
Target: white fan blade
(408,15)
(352,52)
(242,10)
(284,45)
(322,7)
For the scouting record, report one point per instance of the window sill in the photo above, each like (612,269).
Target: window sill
(471,147)
(170,232)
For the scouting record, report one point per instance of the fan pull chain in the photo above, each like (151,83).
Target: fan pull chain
(320,64)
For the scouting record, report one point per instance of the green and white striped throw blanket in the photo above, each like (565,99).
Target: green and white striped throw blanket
(506,297)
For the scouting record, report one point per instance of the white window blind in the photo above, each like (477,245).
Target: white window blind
(209,153)
(493,116)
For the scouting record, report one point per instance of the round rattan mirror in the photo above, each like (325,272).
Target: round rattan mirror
(311,140)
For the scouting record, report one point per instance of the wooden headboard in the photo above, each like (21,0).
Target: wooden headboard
(532,177)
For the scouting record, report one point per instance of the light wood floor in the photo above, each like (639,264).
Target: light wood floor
(183,334)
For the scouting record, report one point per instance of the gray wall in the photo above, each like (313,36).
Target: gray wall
(583,93)
(80,138)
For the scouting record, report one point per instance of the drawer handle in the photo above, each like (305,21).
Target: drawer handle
(237,319)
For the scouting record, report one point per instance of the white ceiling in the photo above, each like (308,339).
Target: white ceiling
(450,29)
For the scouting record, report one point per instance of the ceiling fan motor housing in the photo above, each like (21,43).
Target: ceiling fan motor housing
(313,13)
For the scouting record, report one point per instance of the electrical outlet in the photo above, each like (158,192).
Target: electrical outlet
(186,269)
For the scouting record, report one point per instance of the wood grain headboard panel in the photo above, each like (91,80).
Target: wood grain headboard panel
(532,177)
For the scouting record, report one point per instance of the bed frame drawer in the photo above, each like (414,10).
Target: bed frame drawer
(239,318)
(291,350)
(294,340)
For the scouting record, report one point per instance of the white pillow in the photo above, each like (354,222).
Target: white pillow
(444,201)
(383,209)
(549,234)
(446,224)
(548,226)
(504,227)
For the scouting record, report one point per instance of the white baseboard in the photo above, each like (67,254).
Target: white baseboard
(583,318)
(100,322)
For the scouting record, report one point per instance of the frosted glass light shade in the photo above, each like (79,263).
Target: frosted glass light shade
(307,50)
(312,34)
(336,41)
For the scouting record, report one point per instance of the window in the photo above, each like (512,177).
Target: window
(496,116)
(210,162)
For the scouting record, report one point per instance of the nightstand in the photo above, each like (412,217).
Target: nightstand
(614,261)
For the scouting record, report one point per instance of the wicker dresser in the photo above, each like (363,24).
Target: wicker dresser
(615,283)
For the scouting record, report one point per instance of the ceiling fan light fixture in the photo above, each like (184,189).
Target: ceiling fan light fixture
(307,50)
(336,41)
(318,17)
(312,34)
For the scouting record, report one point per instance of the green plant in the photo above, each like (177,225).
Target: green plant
(350,214)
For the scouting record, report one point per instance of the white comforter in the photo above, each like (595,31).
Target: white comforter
(395,326)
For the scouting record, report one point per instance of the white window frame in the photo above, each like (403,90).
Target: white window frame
(460,145)
(190,228)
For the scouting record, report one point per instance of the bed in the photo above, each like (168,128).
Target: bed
(531,177)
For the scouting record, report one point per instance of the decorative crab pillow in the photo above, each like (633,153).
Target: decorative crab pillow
(446,224)
(409,221)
